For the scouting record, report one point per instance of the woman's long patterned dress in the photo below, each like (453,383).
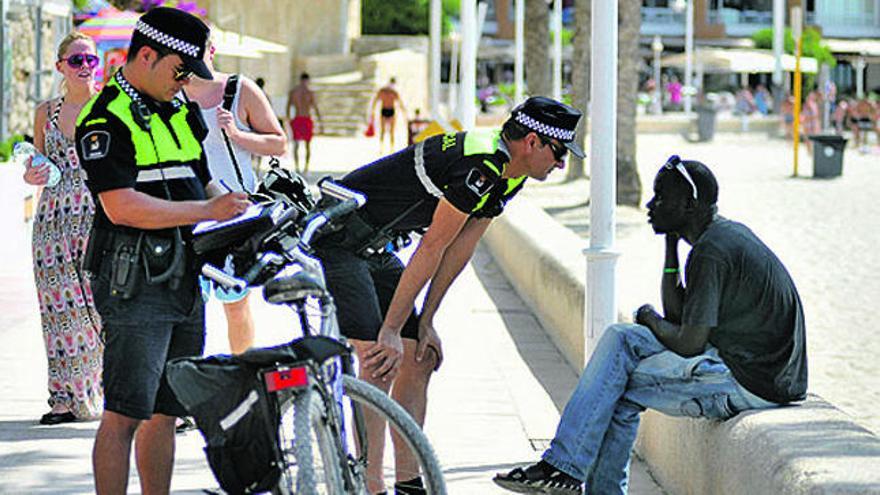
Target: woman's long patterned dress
(71,325)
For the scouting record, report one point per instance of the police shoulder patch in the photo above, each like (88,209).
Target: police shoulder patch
(95,145)
(478,182)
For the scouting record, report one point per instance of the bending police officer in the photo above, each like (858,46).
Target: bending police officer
(452,185)
(141,150)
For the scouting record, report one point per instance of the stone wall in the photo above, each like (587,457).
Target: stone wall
(305,27)
(25,95)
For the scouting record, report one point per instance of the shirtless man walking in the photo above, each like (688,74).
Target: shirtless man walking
(302,98)
(388,96)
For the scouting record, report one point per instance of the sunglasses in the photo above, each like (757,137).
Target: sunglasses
(76,61)
(181,73)
(674,163)
(559,151)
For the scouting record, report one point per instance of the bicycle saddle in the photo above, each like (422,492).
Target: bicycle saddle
(314,348)
(290,288)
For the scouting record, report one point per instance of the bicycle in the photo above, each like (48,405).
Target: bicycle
(306,387)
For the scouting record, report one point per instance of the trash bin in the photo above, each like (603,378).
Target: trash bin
(827,154)
(705,122)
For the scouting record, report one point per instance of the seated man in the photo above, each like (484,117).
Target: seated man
(733,339)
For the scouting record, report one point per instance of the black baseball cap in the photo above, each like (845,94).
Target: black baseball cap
(550,118)
(178,31)
(696,176)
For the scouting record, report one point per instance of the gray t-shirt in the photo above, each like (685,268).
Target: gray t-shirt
(740,289)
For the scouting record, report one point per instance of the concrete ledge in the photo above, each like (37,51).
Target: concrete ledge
(812,448)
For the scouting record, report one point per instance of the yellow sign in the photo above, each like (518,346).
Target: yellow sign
(435,128)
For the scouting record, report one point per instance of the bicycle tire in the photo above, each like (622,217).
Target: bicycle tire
(317,458)
(397,418)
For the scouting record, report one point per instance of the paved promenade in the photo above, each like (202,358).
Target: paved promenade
(494,403)
(825,232)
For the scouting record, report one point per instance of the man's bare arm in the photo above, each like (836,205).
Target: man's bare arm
(445,226)
(684,340)
(454,259)
(135,209)
(267,137)
(671,287)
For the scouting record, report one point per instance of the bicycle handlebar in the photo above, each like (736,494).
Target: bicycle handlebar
(223,278)
(340,192)
(350,201)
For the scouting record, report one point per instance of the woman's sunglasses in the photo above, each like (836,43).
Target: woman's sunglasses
(559,151)
(76,61)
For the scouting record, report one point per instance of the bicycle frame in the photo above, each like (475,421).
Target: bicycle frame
(285,381)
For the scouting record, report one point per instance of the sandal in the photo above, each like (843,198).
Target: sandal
(184,424)
(539,478)
(410,487)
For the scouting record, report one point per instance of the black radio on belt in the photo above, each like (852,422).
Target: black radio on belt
(125,272)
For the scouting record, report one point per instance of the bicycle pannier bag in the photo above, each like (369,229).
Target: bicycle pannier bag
(238,420)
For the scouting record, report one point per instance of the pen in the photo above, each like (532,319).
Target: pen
(225,186)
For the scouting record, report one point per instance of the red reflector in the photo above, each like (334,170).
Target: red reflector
(284,379)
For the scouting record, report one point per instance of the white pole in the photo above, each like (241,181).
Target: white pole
(689,55)
(453,75)
(557,50)
(4,84)
(601,303)
(518,53)
(860,77)
(778,40)
(657,48)
(467,91)
(434,68)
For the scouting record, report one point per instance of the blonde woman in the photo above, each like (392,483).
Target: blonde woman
(71,326)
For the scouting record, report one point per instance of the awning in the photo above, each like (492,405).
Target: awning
(867,47)
(739,60)
(239,45)
(115,27)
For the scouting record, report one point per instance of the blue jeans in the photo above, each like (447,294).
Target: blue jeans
(630,370)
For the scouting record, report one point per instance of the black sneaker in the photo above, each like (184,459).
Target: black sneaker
(410,487)
(539,478)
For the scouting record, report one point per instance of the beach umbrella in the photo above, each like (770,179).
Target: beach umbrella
(110,26)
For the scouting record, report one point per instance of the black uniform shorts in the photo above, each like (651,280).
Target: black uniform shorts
(362,289)
(143,333)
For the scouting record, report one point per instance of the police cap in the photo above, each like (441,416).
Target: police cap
(182,33)
(550,118)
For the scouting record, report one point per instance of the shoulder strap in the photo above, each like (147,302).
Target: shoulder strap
(230,91)
(53,116)
(228,98)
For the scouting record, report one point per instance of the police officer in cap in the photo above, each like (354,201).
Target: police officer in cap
(449,187)
(141,150)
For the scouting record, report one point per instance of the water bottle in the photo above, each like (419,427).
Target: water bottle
(24,150)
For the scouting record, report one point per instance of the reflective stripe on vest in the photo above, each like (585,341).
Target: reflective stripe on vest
(422,174)
(156,174)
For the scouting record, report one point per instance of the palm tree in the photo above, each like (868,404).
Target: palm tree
(537,47)
(629,187)
(580,75)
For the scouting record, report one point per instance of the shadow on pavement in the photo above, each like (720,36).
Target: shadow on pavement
(541,356)
(30,430)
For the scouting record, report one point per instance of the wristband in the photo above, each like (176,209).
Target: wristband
(670,270)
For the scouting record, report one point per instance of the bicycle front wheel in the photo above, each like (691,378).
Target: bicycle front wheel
(372,400)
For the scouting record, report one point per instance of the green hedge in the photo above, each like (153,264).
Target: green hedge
(6,146)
